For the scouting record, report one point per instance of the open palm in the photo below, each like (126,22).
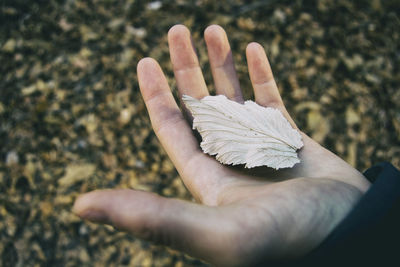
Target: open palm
(242,217)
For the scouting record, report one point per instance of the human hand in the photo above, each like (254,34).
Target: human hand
(243,217)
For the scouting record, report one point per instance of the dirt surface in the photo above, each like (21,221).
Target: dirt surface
(72,118)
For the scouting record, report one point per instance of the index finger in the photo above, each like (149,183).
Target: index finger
(188,74)
(200,173)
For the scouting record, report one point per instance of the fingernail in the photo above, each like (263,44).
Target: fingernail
(95,216)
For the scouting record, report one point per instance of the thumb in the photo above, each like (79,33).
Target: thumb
(198,230)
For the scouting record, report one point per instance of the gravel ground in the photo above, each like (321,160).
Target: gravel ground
(72,118)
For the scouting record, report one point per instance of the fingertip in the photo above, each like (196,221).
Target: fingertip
(100,205)
(213,30)
(254,45)
(145,63)
(254,48)
(258,63)
(177,31)
(82,204)
(87,208)
(216,39)
(182,50)
(151,77)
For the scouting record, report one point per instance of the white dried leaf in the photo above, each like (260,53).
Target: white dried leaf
(244,133)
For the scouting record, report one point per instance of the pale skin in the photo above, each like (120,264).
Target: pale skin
(241,217)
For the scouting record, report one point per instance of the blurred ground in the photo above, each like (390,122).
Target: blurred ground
(72,119)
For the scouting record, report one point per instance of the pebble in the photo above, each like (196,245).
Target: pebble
(124,116)
(12,158)
(75,173)
(154,5)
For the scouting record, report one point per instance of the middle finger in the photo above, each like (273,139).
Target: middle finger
(222,65)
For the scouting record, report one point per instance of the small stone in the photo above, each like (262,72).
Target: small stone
(124,116)
(9,46)
(116,23)
(155,167)
(318,125)
(83,230)
(372,78)
(75,173)
(305,17)
(142,156)
(246,24)
(63,200)
(125,141)
(90,122)
(38,251)
(12,158)
(307,105)
(154,5)
(137,32)
(109,161)
(11,225)
(139,164)
(352,117)
(46,208)
(279,15)
(353,62)
(29,90)
(84,255)
(82,144)
(65,25)
(167,166)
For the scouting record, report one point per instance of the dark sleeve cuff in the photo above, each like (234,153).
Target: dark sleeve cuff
(370,234)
